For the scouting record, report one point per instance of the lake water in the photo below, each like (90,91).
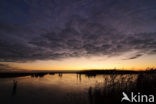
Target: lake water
(55,89)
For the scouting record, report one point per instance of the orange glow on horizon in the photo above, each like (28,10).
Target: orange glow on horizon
(89,63)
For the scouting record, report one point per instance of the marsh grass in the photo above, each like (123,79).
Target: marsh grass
(111,93)
(114,85)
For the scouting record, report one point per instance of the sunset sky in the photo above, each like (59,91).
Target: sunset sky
(77,34)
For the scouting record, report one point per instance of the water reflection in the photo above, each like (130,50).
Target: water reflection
(90,93)
(37,75)
(60,75)
(79,77)
(69,89)
(14,87)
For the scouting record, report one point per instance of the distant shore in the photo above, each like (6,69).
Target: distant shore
(86,72)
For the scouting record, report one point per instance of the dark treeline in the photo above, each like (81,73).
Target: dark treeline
(86,72)
(19,74)
(93,73)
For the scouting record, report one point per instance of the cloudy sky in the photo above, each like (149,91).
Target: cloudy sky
(77,34)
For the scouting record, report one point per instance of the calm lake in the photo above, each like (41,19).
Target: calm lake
(56,89)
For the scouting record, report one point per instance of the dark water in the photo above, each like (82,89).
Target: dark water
(56,89)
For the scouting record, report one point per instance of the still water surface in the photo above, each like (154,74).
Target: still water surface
(52,89)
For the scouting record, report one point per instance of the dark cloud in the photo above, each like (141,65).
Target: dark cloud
(83,39)
(7,68)
(134,57)
(55,29)
(4,67)
(78,39)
